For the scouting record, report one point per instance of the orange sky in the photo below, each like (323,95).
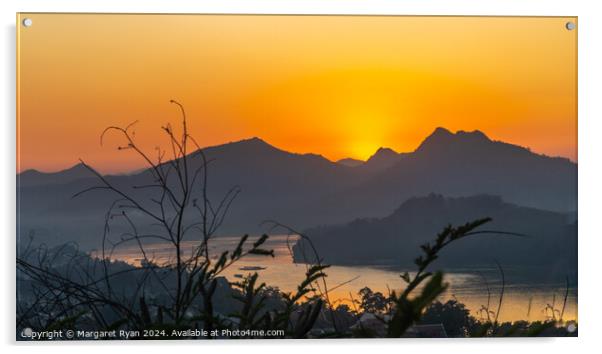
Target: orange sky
(339,86)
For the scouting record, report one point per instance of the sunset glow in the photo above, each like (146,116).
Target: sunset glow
(337,86)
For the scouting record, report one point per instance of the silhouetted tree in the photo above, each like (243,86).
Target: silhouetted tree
(373,302)
(454,316)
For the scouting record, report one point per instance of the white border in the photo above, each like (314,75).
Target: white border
(590,155)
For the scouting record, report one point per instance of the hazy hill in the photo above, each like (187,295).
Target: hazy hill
(350,162)
(304,190)
(383,158)
(273,183)
(30,178)
(551,241)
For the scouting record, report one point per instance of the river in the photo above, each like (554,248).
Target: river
(530,293)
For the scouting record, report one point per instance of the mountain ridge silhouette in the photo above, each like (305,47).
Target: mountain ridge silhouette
(305,190)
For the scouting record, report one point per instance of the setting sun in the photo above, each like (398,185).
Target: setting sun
(371,82)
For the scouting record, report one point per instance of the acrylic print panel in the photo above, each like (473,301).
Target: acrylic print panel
(246,176)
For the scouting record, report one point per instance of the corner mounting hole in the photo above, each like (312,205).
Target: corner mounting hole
(27,22)
(570,26)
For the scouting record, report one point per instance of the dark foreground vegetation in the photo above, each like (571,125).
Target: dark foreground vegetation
(62,288)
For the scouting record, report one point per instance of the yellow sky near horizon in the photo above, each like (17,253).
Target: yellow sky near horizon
(340,86)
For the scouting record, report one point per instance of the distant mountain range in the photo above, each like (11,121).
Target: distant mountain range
(32,178)
(550,237)
(306,190)
(382,159)
(350,162)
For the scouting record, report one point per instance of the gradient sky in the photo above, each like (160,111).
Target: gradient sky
(338,86)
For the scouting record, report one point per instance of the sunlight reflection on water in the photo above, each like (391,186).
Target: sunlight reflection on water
(524,298)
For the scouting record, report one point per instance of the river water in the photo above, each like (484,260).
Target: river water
(530,293)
